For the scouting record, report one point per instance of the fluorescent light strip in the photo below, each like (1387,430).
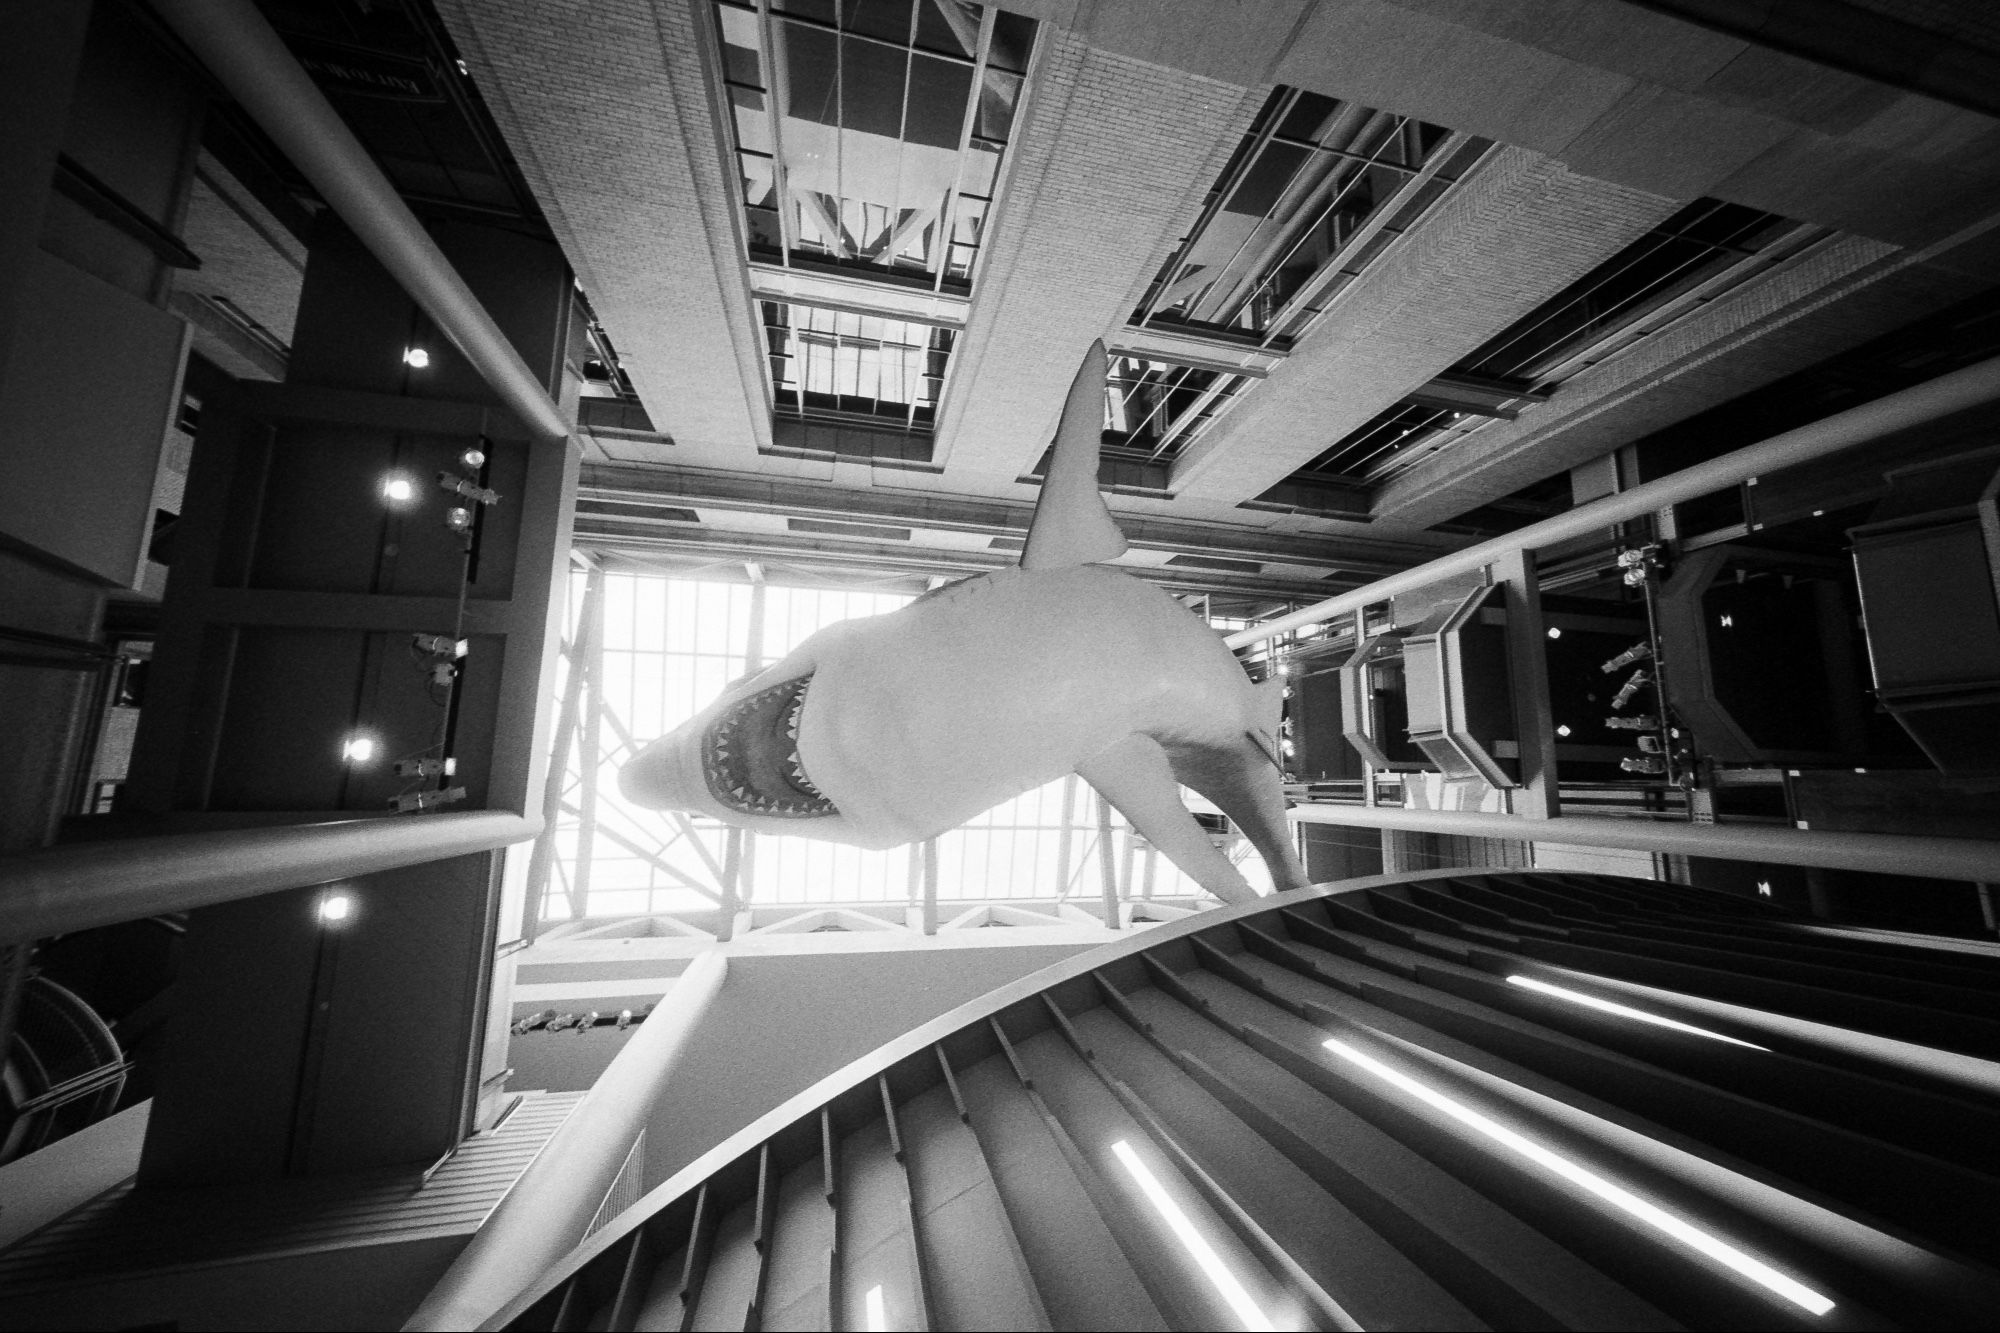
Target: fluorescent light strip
(1591,1001)
(1652,1214)
(1197,1245)
(878,1311)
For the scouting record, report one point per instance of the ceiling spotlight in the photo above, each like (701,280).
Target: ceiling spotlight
(336,907)
(358,749)
(397,489)
(473,458)
(458,519)
(416,358)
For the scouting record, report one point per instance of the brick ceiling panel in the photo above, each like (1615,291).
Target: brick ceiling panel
(606,108)
(1107,175)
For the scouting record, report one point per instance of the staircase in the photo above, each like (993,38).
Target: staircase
(1438,1101)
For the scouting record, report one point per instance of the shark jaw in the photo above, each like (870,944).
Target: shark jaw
(750,756)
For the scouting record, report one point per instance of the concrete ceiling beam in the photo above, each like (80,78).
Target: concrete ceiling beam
(1107,169)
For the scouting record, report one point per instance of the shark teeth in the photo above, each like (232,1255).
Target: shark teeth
(738,758)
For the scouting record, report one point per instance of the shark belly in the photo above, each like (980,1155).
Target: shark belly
(924,718)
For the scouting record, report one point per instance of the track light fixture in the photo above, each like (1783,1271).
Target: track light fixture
(468,488)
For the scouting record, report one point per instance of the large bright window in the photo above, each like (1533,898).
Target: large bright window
(669,646)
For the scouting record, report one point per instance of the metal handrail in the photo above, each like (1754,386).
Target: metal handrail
(1973,386)
(75,886)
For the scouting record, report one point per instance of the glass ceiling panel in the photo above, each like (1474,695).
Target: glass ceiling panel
(670,645)
(836,362)
(869,133)
(1159,408)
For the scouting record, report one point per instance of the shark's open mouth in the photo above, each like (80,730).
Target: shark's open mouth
(751,756)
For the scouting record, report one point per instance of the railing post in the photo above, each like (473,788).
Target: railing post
(550,1209)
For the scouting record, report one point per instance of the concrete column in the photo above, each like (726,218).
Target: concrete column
(543,1217)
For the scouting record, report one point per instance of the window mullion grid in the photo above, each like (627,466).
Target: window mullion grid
(1314,286)
(1195,419)
(948,219)
(894,220)
(1275,264)
(1225,298)
(776,99)
(1261,140)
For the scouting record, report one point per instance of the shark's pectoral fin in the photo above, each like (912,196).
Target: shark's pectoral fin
(1071,525)
(1135,776)
(1246,782)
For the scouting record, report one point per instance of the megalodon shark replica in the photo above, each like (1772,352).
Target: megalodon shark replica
(890,729)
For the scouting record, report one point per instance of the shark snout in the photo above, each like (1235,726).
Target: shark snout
(666,775)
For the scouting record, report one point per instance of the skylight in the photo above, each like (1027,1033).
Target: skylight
(869,137)
(1317,189)
(835,362)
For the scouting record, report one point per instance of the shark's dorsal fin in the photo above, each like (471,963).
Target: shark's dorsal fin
(1071,524)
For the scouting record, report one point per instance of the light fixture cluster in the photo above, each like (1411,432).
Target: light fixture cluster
(467,484)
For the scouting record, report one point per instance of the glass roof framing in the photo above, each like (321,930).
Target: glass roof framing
(839,363)
(869,133)
(1317,189)
(1156,409)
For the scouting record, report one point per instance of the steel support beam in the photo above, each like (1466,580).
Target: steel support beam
(544,1215)
(1884,853)
(590,737)
(1958,391)
(542,859)
(248,57)
(80,885)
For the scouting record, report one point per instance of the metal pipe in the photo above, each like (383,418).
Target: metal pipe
(544,1216)
(1892,854)
(1955,392)
(79,885)
(252,62)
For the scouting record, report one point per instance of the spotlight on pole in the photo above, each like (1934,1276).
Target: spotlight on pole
(416,358)
(335,908)
(358,748)
(398,489)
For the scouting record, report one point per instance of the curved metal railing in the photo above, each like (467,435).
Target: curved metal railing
(1456,1099)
